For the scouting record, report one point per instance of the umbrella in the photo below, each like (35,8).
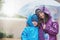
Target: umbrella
(29,9)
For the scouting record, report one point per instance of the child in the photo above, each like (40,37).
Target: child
(31,31)
(48,26)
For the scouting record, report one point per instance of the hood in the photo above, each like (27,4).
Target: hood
(45,10)
(30,18)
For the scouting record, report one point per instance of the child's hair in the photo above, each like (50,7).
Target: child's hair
(40,20)
(37,11)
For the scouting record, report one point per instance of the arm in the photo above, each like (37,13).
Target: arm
(24,35)
(52,28)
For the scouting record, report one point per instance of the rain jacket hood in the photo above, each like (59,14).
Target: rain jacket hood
(32,18)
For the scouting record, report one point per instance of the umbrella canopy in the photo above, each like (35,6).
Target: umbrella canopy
(30,8)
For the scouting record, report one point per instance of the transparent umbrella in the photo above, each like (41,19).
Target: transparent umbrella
(29,8)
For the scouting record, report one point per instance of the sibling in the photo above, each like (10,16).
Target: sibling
(31,31)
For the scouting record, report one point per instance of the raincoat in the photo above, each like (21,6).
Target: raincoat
(51,26)
(30,32)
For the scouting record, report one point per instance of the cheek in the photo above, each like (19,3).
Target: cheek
(42,16)
(35,24)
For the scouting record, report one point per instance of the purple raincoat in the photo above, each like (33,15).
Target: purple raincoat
(51,27)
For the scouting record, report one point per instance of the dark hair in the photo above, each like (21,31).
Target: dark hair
(40,20)
(37,11)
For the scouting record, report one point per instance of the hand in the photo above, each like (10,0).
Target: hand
(44,26)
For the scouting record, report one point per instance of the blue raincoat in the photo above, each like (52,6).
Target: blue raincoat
(30,32)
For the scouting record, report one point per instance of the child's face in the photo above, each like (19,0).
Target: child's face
(41,15)
(35,23)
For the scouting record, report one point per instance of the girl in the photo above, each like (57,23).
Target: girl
(46,24)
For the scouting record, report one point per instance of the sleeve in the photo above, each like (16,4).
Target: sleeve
(52,28)
(24,35)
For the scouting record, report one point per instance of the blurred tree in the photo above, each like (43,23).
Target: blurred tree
(3,15)
(2,35)
(19,16)
(10,36)
(1,2)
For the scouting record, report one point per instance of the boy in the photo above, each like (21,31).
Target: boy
(31,31)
